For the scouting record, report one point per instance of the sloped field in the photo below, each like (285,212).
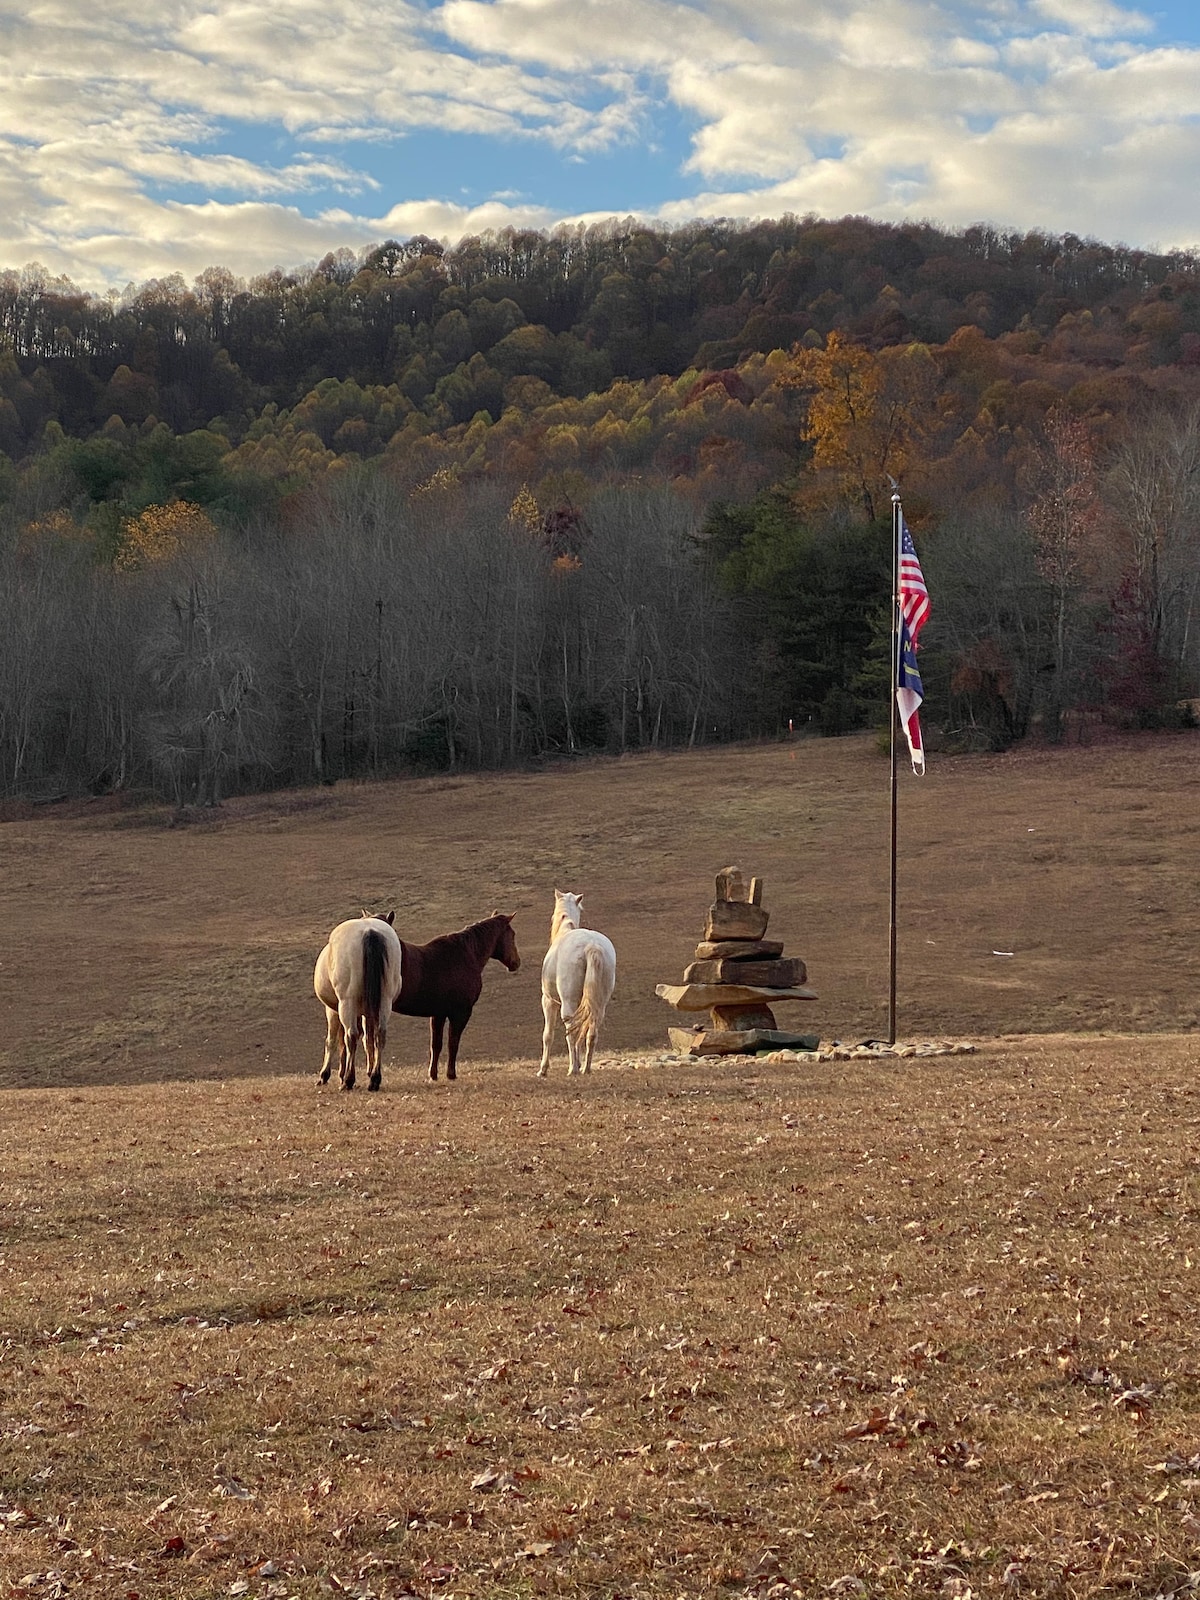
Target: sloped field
(131,949)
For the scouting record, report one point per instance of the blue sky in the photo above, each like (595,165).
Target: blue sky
(1178,23)
(469,169)
(137,142)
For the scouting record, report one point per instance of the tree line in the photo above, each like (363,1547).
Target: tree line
(382,629)
(380,632)
(441,331)
(594,489)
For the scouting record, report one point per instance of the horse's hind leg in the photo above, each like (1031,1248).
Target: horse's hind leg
(437,1026)
(376,1039)
(572,1045)
(349,1051)
(589,1047)
(456,1033)
(550,1011)
(334,1042)
(351,1028)
(571,1031)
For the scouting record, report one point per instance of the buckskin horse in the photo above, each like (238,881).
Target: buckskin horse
(357,978)
(444,978)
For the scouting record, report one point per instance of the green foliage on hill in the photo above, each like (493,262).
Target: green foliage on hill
(599,488)
(356,345)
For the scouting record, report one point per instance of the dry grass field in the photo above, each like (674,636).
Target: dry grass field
(896,1327)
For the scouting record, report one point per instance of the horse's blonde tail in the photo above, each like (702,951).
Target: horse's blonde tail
(597,992)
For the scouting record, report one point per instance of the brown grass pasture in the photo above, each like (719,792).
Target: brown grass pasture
(896,1327)
(188,950)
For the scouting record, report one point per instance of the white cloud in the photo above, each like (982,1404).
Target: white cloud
(1094,18)
(575,36)
(124,150)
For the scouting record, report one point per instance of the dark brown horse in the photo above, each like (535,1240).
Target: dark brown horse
(443,979)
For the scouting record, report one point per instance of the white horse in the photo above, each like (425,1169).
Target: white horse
(357,977)
(578,978)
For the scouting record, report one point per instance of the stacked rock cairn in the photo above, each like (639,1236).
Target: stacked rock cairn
(737,977)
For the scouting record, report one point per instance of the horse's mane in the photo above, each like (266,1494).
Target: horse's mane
(470,935)
(560,921)
(480,934)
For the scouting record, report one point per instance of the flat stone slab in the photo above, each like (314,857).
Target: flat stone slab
(704,996)
(769,974)
(735,919)
(738,950)
(740,1042)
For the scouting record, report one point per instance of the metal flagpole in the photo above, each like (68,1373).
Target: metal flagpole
(897,518)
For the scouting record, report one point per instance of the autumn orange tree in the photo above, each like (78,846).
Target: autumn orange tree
(160,532)
(58,527)
(871,415)
(524,513)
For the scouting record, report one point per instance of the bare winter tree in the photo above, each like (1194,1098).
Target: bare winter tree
(654,609)
(1064,514)
(103,745)
(379,629)
(1153,487)
(202,668)
(994,620)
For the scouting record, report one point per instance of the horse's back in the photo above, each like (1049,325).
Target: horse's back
(439,979)
(583,939)
(569,953)
(344,957)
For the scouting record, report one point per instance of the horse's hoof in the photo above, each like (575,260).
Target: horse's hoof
(347,1085)
(452,1073)
(373,1084)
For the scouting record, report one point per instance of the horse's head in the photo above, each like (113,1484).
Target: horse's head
(568,913)
(379,916)
(568,908)
(505,948)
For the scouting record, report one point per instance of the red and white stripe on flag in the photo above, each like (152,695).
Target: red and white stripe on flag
(914,596)
(914,613)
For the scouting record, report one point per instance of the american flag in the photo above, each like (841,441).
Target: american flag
(914,613)
(914,597)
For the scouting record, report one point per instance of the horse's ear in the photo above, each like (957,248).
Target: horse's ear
(390,918)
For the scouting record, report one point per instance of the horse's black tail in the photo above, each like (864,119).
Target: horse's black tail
(374,967)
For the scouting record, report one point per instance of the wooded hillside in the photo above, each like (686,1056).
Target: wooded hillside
(597,488)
